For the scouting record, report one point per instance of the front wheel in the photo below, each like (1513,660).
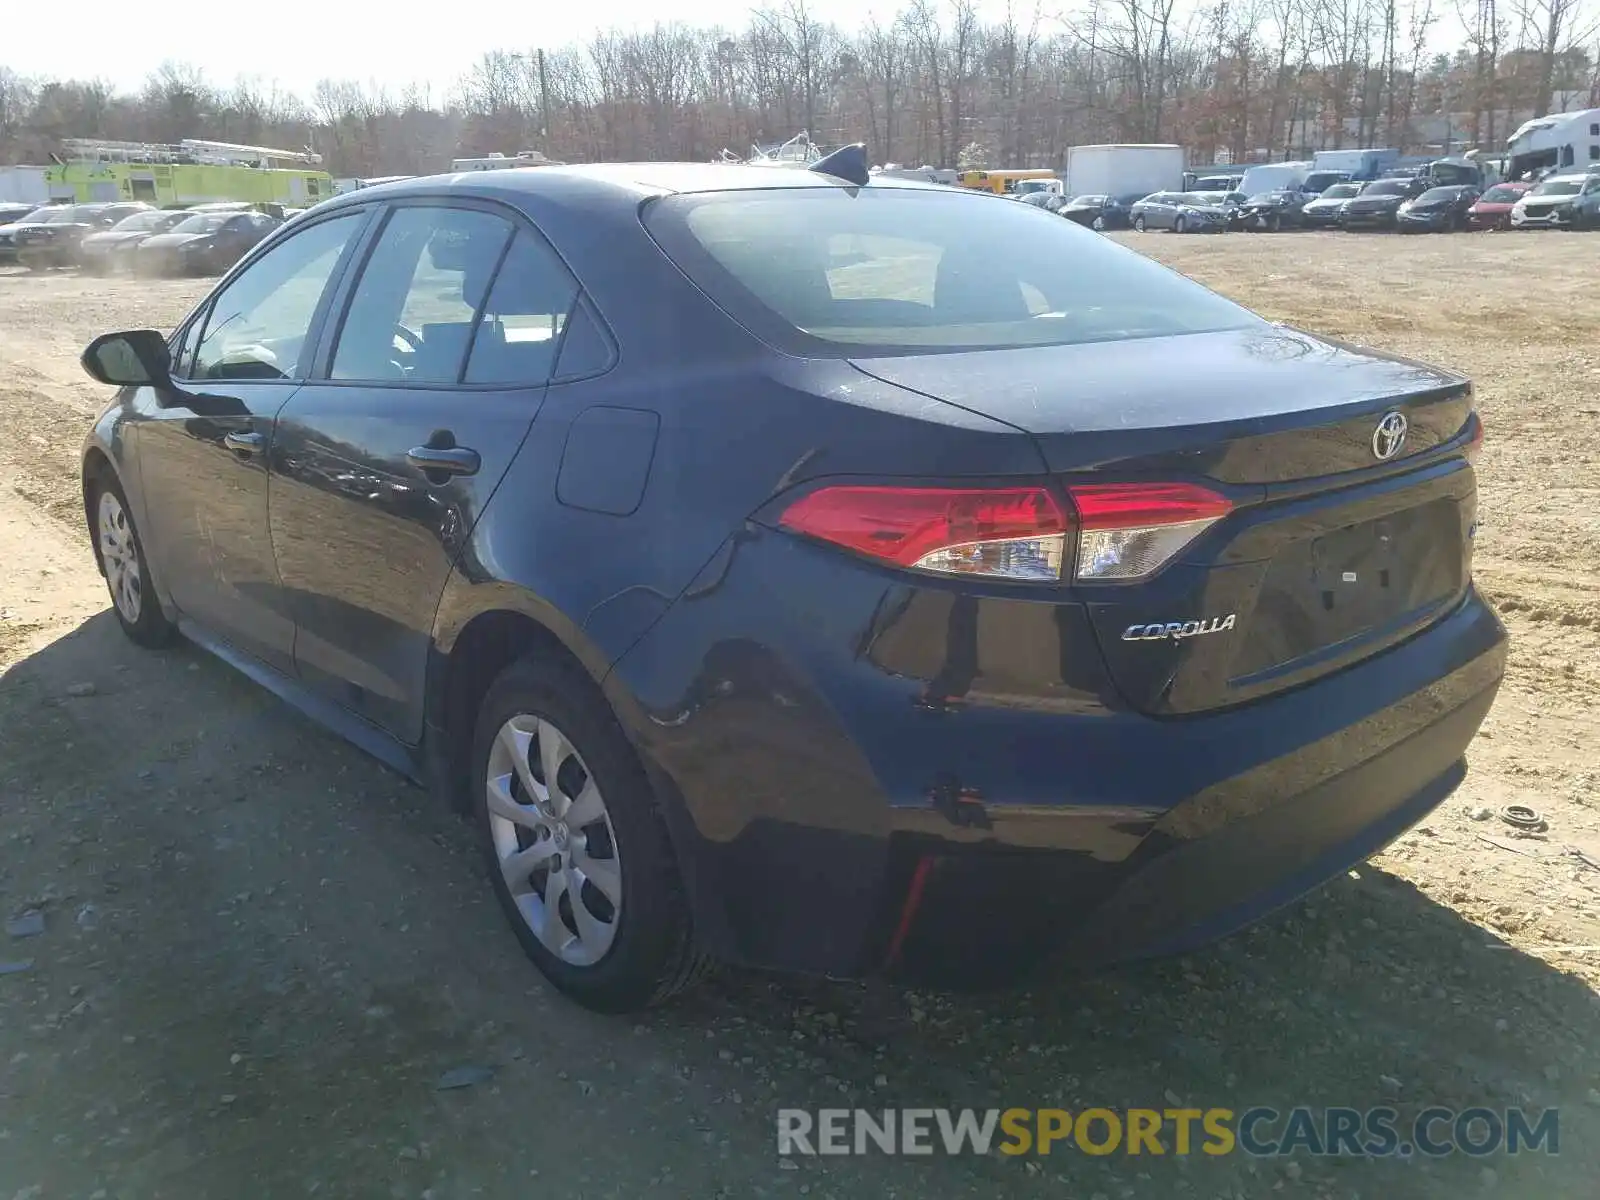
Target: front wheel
(1138,224)
(1098,225)
(578,852)
(1179,225)
(1274,223)
(126,569)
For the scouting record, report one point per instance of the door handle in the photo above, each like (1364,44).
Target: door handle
(453,460)
(244,443)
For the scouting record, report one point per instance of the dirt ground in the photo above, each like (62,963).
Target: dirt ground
(262,952)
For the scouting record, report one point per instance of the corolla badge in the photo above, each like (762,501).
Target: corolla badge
(1389,436)
(1160,631)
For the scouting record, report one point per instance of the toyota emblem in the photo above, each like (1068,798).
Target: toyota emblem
(1389,436)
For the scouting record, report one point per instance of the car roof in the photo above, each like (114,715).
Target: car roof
(627,182)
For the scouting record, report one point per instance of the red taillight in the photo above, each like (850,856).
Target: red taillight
(1013,533)
(1475,441)
(1131,530)
(1126,531)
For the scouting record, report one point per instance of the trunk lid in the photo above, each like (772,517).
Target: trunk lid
(1331,553)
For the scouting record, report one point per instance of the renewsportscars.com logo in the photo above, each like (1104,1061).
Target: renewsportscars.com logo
(1261,1131)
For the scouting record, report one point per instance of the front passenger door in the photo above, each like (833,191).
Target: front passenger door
(203,452)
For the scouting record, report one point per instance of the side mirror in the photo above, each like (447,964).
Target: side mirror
(136,358)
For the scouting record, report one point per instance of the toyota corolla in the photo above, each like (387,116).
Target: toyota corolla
(787,568)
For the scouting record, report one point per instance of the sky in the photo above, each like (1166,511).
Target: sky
(298,42)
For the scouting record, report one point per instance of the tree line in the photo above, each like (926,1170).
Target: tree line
(1232,80)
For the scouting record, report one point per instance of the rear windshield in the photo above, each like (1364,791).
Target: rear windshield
(824,271)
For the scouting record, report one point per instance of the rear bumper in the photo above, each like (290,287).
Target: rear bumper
(863,733)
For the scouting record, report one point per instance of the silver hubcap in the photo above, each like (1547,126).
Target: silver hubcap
(553,837)
(121,556)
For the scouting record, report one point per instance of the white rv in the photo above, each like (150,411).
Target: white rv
(1565,141)
(502,162)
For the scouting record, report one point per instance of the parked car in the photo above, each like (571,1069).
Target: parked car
(207,243)
(109,249)
(52,239)
(1492,210)
(1437,210)
(1323,212)
(1568,201)
(1272,211)
(1181,212)
(1100,212)
(17,214)
(1379,201)
(879,679)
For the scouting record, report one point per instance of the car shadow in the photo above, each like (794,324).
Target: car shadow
(1368,993)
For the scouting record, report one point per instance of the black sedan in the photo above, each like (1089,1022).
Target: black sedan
(1271,211)
(1101,212)
(795,568)
(206,243)
(51,237)
(12,215)
(1437,210)
(114,247)
(1323,212)
(1379,203)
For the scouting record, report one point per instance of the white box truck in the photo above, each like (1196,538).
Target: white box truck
(24,185)
(1125,170)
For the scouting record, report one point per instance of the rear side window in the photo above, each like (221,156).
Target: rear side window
(410,318)
(822,271)
(524,317)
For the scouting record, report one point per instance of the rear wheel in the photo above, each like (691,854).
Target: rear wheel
(127,571)
(1138,224)
(578,852)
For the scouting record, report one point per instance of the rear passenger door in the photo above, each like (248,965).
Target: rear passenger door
(422,393)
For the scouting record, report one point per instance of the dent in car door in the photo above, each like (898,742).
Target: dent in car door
(203,457)
(384,465)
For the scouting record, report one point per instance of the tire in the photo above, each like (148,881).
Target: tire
(1179,225)
(1138,224)
(1098,225)
(1274,223)
(125,566)
(634,951)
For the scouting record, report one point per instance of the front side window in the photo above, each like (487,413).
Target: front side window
(259,322)
(825,271)
(412,313)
